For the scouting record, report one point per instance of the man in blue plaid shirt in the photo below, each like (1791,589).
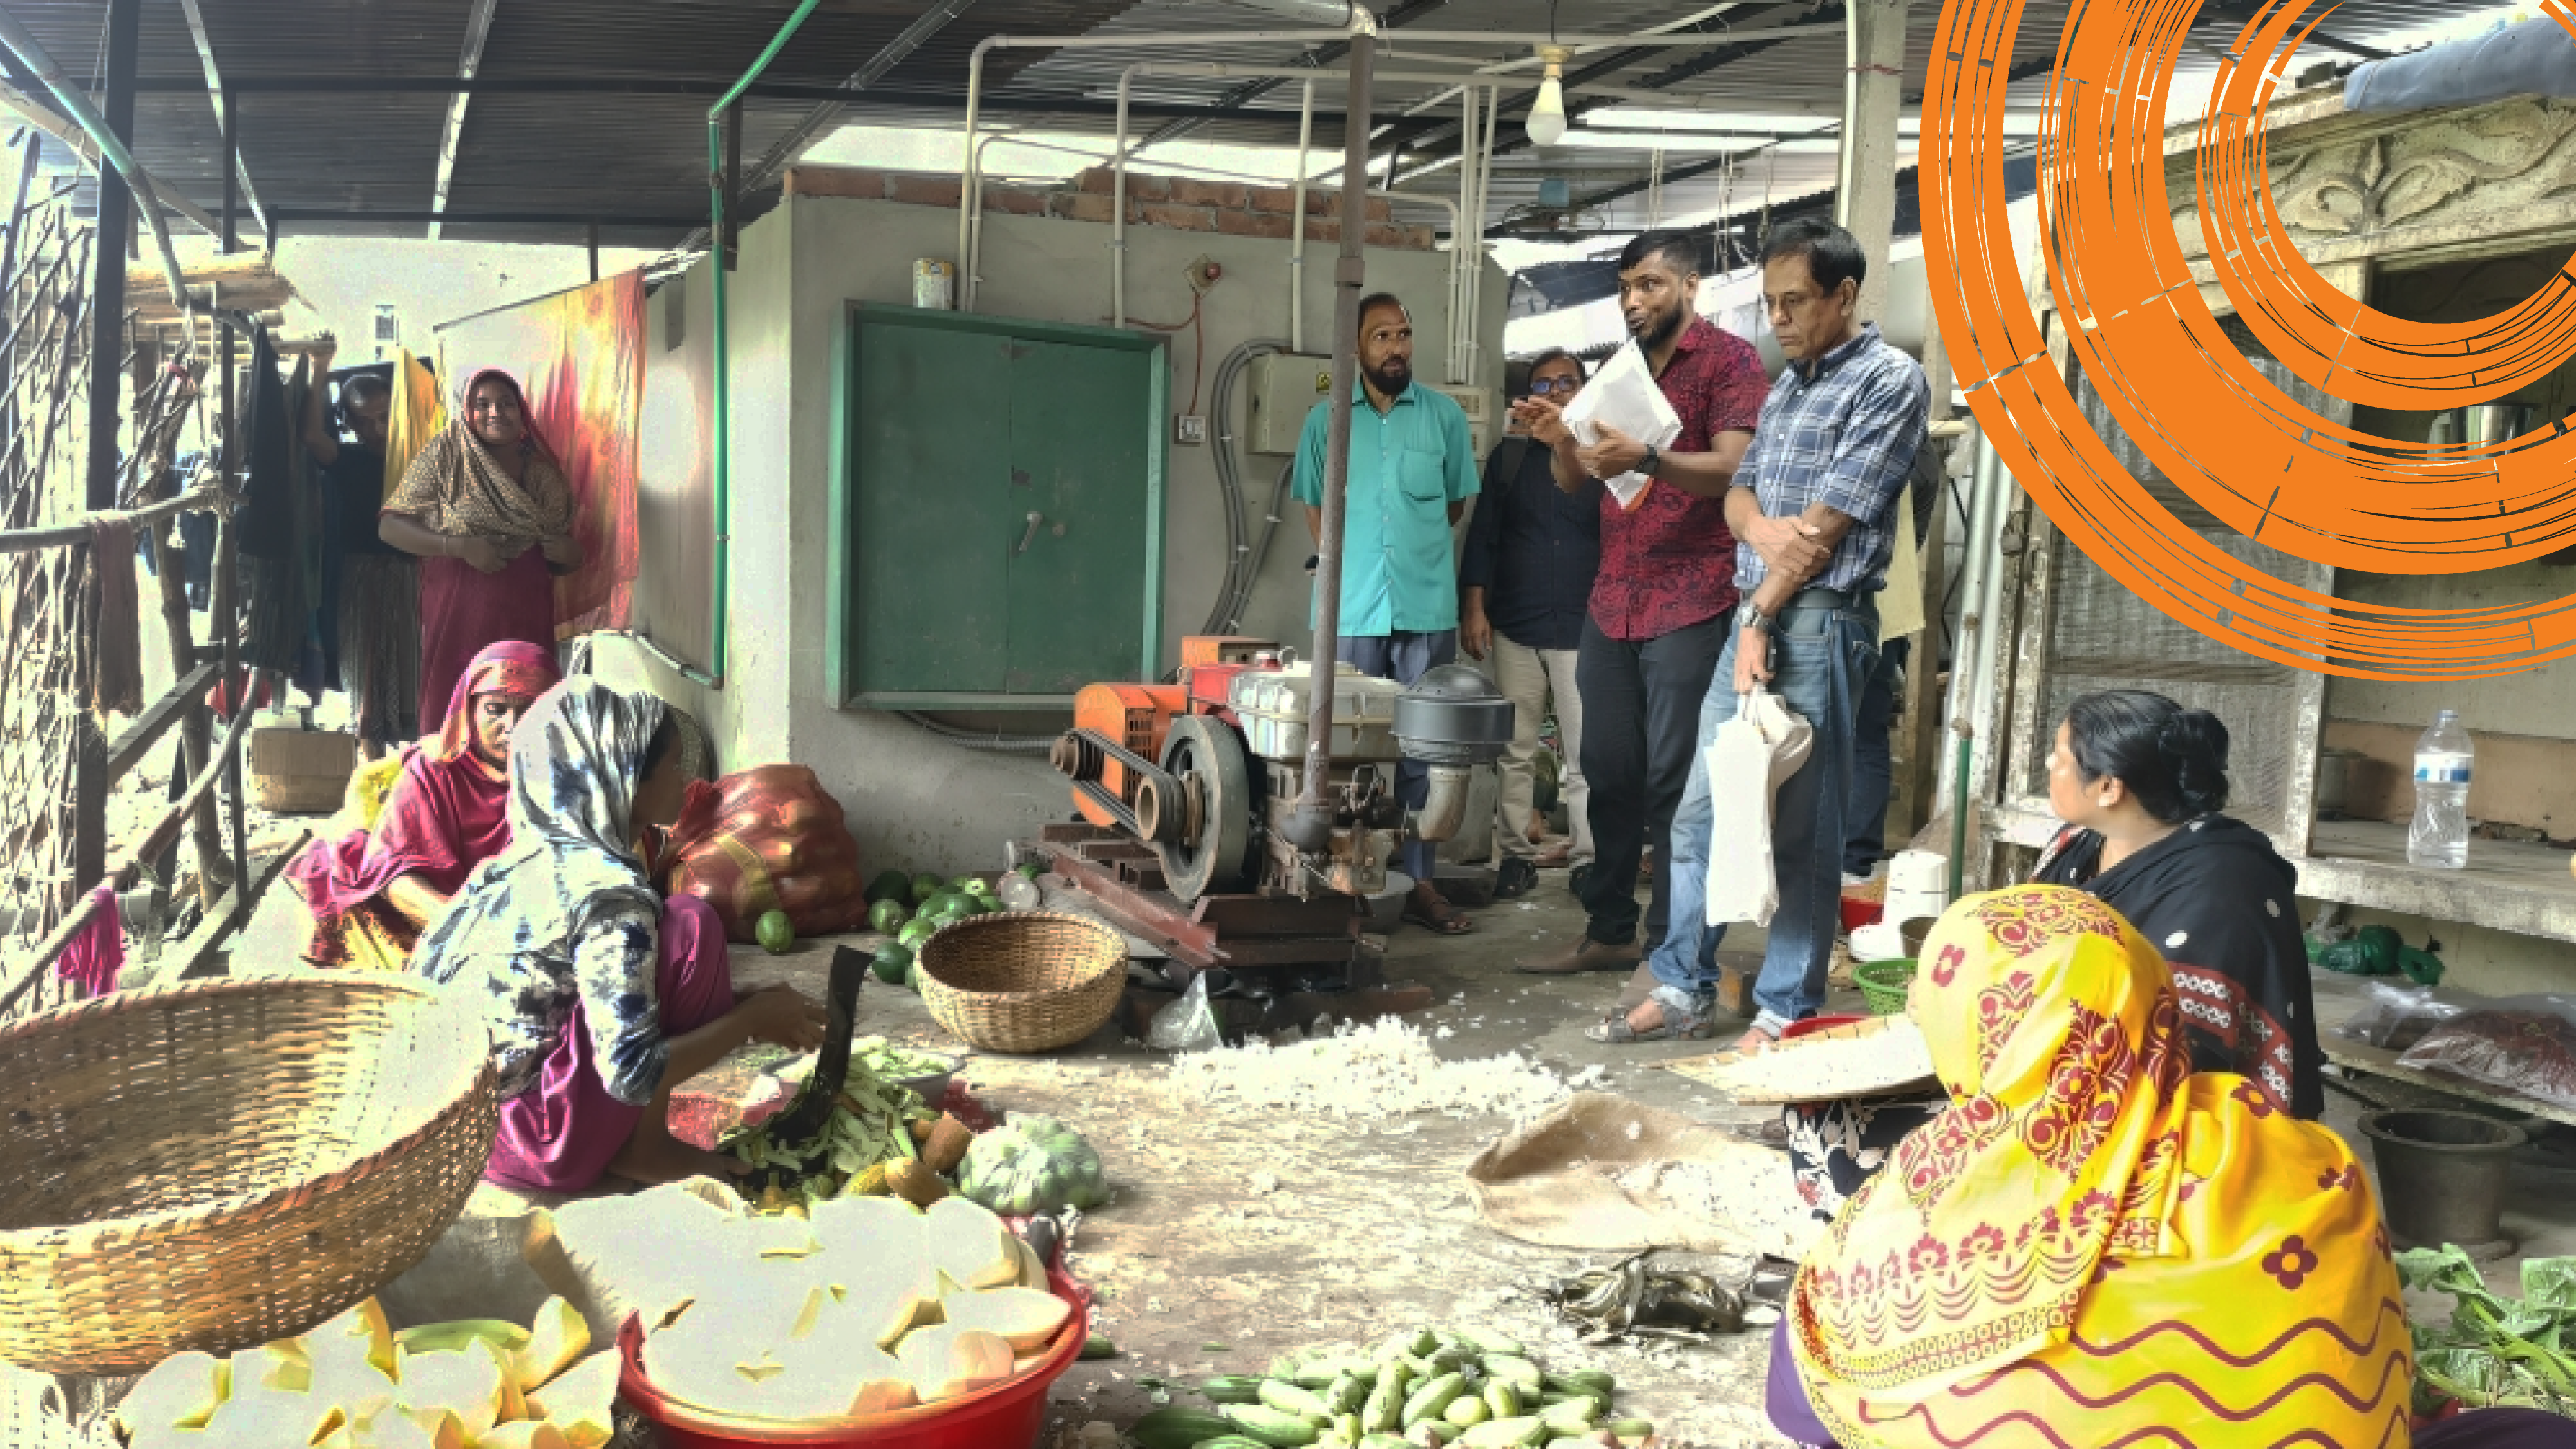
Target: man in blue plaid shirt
(1813,511)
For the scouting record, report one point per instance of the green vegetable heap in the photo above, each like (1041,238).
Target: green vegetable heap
(1032,1165)
(871,1126)
(1421,1387)
(2496,1351)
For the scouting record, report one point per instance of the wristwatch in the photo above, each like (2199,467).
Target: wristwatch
(1751,617)
(1654,455)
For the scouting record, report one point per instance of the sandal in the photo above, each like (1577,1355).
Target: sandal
(1443,919)
(1671,1024)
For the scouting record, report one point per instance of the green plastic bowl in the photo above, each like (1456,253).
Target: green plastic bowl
(1883,984)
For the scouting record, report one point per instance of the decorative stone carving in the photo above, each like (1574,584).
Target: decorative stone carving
(2359,185)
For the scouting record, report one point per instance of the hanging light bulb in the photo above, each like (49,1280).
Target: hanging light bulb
(1546,123)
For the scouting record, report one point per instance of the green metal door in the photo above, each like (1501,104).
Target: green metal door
(1075,608)
(932,458)
(997,521)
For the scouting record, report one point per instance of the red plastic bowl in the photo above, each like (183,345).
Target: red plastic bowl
(1007,1414)
(1857,914)
(1815,1024)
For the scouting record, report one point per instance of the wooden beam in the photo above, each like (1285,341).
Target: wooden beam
(469,59)
(128,749)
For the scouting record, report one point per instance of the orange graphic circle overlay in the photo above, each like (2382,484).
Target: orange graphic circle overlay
(2137,323)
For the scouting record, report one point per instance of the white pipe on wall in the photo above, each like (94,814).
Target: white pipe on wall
(970,188)
(1462,324)
(1297,213)
(1118,208)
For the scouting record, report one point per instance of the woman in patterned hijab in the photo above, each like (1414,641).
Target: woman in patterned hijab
(601,996)
(487,508)
(2091,1244)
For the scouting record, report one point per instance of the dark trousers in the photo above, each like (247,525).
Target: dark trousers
(1873,769)
(1641,701)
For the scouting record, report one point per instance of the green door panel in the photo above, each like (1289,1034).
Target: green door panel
(1080,434)
(931,459)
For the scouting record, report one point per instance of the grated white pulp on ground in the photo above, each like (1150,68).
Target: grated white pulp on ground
(1833,1067)
(1383,1069)
(1762,1207)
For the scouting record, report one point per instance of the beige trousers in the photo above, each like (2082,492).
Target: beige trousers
(1529,678)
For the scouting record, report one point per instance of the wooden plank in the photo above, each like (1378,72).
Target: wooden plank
(2525,890)
(128,748)
(2340,999)
(230,912)
(1277,915)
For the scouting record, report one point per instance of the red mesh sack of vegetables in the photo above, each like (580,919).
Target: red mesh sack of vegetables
(770,839)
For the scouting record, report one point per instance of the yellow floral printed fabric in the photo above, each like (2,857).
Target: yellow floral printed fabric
(2091,1246)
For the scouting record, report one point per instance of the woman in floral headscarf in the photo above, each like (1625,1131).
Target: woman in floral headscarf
(2090,1244)
(372,889)
(600,995)
(488,510)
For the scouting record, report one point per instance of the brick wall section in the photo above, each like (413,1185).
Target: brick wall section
(1174,203)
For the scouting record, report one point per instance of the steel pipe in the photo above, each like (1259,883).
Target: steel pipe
(1310,826)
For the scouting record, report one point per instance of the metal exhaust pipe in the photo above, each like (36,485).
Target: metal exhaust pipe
(1444,809)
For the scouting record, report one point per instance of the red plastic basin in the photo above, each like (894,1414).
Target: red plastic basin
(1005,1416)
(1857,914)
(1815,1024)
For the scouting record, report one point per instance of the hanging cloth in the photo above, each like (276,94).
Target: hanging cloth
(95,957)
(417,416)
(116,623)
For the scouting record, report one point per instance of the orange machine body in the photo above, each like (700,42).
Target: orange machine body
(1136,716)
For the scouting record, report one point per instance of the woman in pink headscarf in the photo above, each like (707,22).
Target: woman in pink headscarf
(488,510)
(372,890)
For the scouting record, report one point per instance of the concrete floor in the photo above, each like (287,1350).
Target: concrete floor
(1203,1266)
(1369,1228)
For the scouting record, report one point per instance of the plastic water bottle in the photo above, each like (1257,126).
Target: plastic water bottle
(2440,835)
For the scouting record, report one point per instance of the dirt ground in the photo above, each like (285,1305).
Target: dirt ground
(1203,1266)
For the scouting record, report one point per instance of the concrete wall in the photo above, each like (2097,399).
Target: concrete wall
(913,799)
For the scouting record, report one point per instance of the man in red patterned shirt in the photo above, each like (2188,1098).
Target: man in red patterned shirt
(1666,589)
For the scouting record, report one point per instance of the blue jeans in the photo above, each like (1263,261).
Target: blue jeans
(1821,659)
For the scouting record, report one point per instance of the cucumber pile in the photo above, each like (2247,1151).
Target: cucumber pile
(1422,1388)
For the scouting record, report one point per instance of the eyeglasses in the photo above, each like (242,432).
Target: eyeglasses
(1543,386)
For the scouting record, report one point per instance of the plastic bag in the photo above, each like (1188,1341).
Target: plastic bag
(1187,1025)
(1625,395)
(2400,1016)
(2520,1044)
(1753,754)
(769,839)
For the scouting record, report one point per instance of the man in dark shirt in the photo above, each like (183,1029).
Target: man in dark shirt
(1523,588)
(1660,605)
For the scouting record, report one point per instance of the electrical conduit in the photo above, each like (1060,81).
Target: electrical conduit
(719,607)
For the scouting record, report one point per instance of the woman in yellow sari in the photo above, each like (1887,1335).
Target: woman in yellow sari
(2090,1246)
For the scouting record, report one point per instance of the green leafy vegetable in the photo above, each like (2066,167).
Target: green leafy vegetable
(2496,1351)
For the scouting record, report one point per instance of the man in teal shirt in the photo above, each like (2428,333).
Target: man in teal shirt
(1412,470)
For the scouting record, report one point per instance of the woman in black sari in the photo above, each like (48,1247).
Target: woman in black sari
(2140,781)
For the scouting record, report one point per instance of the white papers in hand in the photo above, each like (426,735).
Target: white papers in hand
(1624,395)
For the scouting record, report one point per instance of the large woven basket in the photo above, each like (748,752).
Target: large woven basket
(217,1165)
(1023,981)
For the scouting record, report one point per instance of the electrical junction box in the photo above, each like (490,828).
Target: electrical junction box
(1478,404)
(1285,387)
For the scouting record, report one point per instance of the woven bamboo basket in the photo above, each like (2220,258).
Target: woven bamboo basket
(1023,981)
(217,1165)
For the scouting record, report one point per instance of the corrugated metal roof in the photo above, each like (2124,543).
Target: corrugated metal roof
(643,157)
